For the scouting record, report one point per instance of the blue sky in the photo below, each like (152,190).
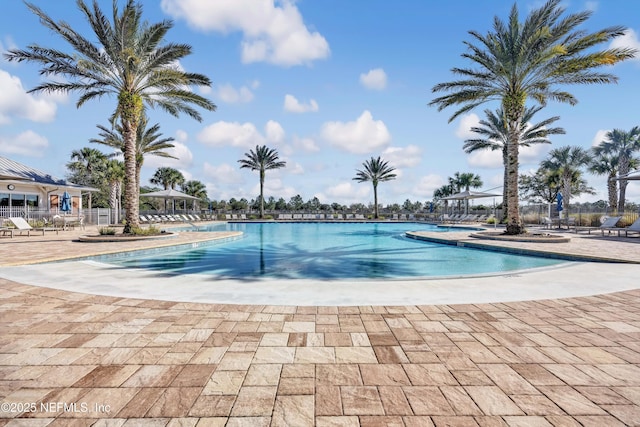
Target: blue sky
(327,83)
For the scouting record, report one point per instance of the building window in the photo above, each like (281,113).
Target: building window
(4,199)
(17,200)
(32,200)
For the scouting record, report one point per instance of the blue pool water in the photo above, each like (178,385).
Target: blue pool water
(332,251)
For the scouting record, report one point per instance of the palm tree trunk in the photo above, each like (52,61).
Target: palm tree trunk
(113,201)
(375,201)
(514,225)
(566,196)
(130,118)
(505,181)
(623,170)
(261,194)
(612,188)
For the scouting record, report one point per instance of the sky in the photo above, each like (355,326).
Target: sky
(328,84)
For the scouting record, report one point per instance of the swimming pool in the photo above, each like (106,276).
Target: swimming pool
(332,251)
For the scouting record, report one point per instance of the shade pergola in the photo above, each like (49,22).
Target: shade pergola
(169,194)
(470,194)
(631,176)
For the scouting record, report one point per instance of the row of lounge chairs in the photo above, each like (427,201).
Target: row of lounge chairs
(610,226)
(169,218)
(461,218)
(20,225)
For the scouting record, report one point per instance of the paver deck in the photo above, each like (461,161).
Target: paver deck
(71,359)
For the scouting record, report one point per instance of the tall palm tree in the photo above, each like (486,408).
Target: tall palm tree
(168,178)
(518,61)
(568,163)
(262,160)
(604,162)
(466,180)
(129,62)
(623,145)
(376,171)
(494,135)
(196,189)
(148,142)
(114,175)
(87,163)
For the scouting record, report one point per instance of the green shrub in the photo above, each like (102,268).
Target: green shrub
(491,220)
(107,231)
(149,231)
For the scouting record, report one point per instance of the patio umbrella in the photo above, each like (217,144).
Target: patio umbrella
(559,199)
(170,194)
(65,205)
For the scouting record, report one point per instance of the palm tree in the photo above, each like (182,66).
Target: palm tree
(376,171)
(467,181)
(518,61)
(262,159)
(196,189)
(442,192)
(148,142)
(495,136)
(568,163)
(622,145)
(168,178)
(129,62)
(605,163)
(114,175)
(87,164)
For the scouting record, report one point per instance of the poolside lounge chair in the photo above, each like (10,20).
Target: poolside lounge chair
(633,228)
(609,224)
(22,225)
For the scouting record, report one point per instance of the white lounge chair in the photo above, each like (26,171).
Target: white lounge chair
(633,228)
(22,225)
(609,224)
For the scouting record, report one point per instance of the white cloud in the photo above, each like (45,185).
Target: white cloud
(427,185)
(600,136)
(346,192)
(274,33)
(274,131)
(180,150)
(223,173)
(492,159)
(467,121)
(403,157)
(244,135)
(591,5)
(292,105)
(231,95)
(16,102)
(272,187)
(375,79)
(26,143)
(295,169)
(305,144)
(230,133)
(628,40)
(364,135)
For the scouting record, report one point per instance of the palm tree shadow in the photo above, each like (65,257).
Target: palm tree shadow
(285,261)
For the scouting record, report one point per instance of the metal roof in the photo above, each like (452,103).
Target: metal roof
(12,170)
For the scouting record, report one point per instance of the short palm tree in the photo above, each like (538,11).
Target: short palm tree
(262,160)
(196,189)
(114,175)
(168,178)
(442,192)
(530,60)
(466,180)
(568,163)
(129,62)
(148,142)
(376,171)
(494,135)
(605,163)
(87,163)
(623,145)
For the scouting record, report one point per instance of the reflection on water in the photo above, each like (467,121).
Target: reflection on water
(332,251)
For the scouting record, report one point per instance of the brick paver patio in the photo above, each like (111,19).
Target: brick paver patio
(70,359)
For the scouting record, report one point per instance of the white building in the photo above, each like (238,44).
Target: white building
(25,191)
